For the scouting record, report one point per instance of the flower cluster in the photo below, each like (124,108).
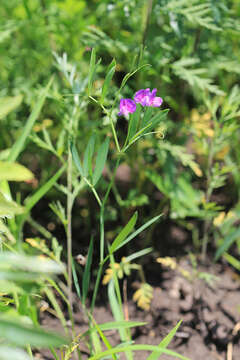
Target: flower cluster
(145,97)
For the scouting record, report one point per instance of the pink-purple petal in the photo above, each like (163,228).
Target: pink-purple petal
(127,106)
(157,101)
(146,97)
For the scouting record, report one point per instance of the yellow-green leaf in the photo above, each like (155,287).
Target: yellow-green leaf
(14,172)
(8,104)
(9,208)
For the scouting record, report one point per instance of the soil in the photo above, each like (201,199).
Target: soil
(210,314)
(209,308)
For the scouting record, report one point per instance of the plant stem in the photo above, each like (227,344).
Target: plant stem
(208,195)
(147,21)
(69,226)
(99,273)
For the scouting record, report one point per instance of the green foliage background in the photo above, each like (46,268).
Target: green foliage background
(192,48)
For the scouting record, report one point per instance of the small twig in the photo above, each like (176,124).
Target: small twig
(236,329)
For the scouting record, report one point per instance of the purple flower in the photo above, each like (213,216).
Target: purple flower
(147,98)
(127,106)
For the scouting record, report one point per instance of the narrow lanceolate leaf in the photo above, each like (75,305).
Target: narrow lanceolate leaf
(124,233)
(14,172)
(19,144)
(110,72)
(86,274)
(8,104)
(87,160)
(20,335)
(138,231)
(103,337)
(100,161)
(142,347)
(32,200)
(165,342)
(228,241)
(91,70)
(138,254)
(76,159)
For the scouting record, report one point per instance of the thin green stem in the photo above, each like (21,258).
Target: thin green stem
(69,226)
(208,195)
(147,21)
(29,350)
(115,135)
(94,192)
(99,274)
(102,261)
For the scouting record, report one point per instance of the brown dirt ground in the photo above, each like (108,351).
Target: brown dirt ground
(211,316)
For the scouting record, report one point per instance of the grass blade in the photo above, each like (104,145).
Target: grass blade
(20,335)
(227,243)
(136,348)
(165,342)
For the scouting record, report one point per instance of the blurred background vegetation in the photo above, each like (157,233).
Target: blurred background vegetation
(192,175)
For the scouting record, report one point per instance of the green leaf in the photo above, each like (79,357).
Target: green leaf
(156,119)
(7,353)
(86,274)
(87,160)
(35,264)
(138,254)
(96,342)
(117,243)
(52,298)
(103,337)
(7,286)
(228,241)
(76,159)
(91,70)
(75,280)
(138,231)
(147,116)
(20,335)
(116,310)
(110,72)
(122,324)
(165,342)
(100,161)
(8,104)
(232,260)
(9,208)
(33,199)
(14,172)
(133,122)
(136,348)
(19,144)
